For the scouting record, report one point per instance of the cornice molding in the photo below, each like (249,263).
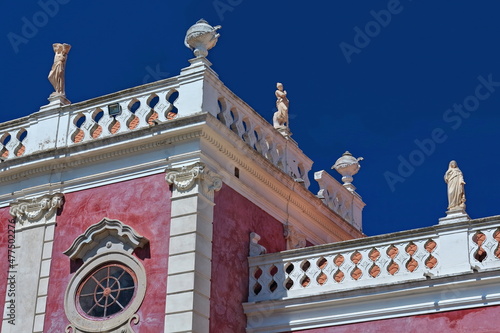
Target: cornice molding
(55,165)
(285,190)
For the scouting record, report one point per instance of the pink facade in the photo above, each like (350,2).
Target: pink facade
(235,217)
(482,320)
(143,204)
(4,264)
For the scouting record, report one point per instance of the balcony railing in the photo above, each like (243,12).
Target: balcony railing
(429,253)
(140,107)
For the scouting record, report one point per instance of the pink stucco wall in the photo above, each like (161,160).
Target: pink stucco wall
(4,264)
(234,218)
(143,204)
(481,320)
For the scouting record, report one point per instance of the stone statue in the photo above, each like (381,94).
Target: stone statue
(56,75)
(201,37)
(456,193)
(280,118)
(255,249)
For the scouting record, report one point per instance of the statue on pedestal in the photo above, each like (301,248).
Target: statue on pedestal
(56,75)
(456,192)
(280,118)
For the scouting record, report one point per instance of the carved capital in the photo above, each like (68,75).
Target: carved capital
(294,238)
(184,178)
(33,210)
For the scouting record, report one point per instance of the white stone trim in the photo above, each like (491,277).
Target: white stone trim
(96,233)
(190,251)
(35,227)
(118,323)
(368,304)
(270,189)
(102,243)
(456,279)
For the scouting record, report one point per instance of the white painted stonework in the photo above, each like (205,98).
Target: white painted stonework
(108,241)
(434,269)
(35,222)
(190,251)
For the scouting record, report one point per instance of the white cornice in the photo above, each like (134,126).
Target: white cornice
(303,208)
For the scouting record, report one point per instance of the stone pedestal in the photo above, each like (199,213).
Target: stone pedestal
(456,215)
(55,102)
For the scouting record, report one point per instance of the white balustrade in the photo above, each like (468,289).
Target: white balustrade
(401,257)
(339,199)
(263,137)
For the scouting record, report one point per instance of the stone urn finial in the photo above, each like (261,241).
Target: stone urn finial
(347,166)
(201,37)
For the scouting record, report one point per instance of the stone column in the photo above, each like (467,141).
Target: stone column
(190,252)
(34,236)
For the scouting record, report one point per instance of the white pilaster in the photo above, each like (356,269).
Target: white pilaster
(190,252)
(34,233)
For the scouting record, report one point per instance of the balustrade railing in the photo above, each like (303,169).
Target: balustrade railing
(375,261)
(260,135)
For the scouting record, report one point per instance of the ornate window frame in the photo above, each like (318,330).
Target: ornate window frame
(104,243)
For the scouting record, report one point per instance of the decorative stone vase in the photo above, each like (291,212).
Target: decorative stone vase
(347,166)
(201,37)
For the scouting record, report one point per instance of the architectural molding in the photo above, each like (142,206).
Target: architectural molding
(184,178)
(190,246)
(368,304)
(50,162)
(294,238)
(108,242)
(120,322)
(36,209)
(36,219)
(94,234)
(300,199)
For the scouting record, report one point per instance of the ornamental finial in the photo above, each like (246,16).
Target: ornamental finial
(201,37)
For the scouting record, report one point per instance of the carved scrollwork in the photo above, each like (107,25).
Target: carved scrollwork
(33,210)
(185,177)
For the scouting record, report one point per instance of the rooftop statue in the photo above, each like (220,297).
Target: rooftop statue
(201,37)
(280,118)
(456,192)
(56,75)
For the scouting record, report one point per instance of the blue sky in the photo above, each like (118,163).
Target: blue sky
(408,85)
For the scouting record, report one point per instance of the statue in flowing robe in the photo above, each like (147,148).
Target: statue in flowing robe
(456,192)
(280,117)
(56,75)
